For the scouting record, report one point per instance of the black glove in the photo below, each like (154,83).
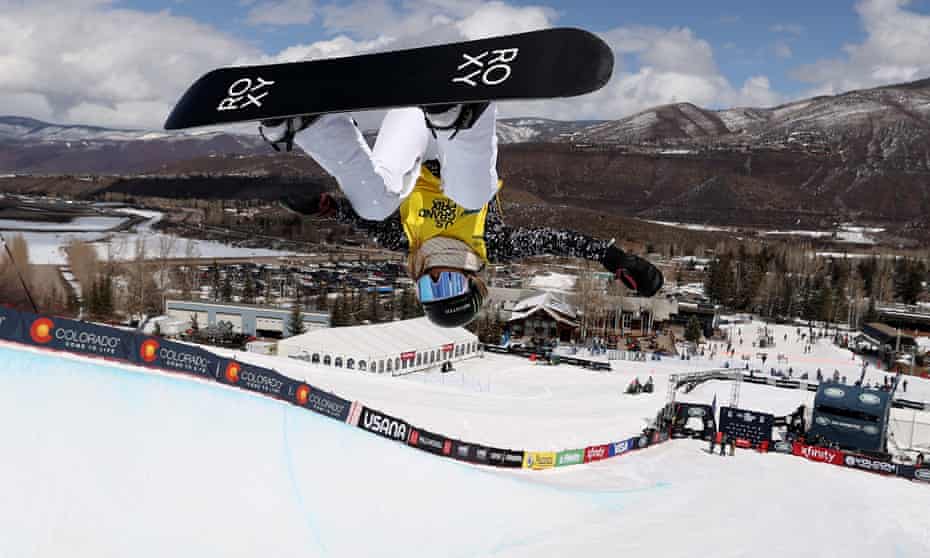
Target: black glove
(636,273)
(317,205)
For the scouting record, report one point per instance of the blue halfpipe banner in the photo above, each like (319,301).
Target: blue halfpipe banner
(254,378)
(321,402)
(10,324)
(76,337)
(176,357)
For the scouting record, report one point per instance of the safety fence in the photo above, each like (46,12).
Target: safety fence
(110,343)
(851,460)
(82,338)
(548,356)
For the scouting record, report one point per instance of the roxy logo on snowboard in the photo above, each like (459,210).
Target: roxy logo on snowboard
(491,67)
(244,93)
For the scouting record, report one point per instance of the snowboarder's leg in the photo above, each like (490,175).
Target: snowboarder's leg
(374,182)
(468,158)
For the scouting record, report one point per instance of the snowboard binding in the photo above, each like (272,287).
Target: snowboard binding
(453,116)
(281,131)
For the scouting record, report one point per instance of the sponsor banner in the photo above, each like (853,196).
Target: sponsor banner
(538,460)
(355,411)
(619,448)
(815,453)
(782,446)
(383,425)
(741,424)
(499,458)
(428,441)
(10,324)
(448,347)
(569,457)
(910,472)
(597,453)
(254,378)
(321,402)
(176,357)
(869,464)
(473,453)
(408,355)
(513,459)
(76,337)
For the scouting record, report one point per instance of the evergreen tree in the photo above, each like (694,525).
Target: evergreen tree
(295,324)
(216,282)
(693,331)
(909,276)
(375,311)
(226,290)
(248,291)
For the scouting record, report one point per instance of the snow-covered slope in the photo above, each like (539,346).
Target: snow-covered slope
(101,459)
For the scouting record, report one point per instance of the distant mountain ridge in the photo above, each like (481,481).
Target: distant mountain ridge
(857,156)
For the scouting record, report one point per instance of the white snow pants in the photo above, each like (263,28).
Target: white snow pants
(376,180)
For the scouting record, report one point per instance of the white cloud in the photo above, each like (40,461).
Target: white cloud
(497,18)
(88,59)
(782,50)
(895,49)
(788,29)
(672,65)
(282,12)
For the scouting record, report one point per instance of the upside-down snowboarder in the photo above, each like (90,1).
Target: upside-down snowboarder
(436,168)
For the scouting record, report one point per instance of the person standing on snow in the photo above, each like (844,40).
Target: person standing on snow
(436,167)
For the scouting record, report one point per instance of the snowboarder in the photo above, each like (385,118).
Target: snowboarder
(436,168)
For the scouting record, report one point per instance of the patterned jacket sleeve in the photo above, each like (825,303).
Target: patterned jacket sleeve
(388,234)
(508,243)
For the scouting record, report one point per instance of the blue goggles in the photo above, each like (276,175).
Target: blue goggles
(449,284)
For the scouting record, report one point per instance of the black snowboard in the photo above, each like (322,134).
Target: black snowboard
(543,64)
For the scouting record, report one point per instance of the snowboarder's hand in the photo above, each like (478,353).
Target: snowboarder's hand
(281,131)
(636,273)
(317,205)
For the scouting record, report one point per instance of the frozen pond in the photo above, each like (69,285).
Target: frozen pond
(79,224)
(48,247)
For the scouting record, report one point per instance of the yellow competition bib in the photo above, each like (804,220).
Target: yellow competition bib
(428,212)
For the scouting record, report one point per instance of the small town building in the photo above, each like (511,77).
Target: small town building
(258,321)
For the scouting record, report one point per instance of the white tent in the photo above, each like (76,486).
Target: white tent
(396,347)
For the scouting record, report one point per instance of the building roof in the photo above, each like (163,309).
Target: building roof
(554,315)
(376,340)
(544,301)
(552,281)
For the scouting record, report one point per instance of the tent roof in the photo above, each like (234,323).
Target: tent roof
(378,339)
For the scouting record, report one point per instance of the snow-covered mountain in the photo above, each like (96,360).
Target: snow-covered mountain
(28,145)
(32,146)
(523,130)
(896,107)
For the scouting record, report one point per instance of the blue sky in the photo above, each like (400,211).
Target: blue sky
(124,62)
(747,37)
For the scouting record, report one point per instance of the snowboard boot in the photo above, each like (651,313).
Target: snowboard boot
(453,116)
